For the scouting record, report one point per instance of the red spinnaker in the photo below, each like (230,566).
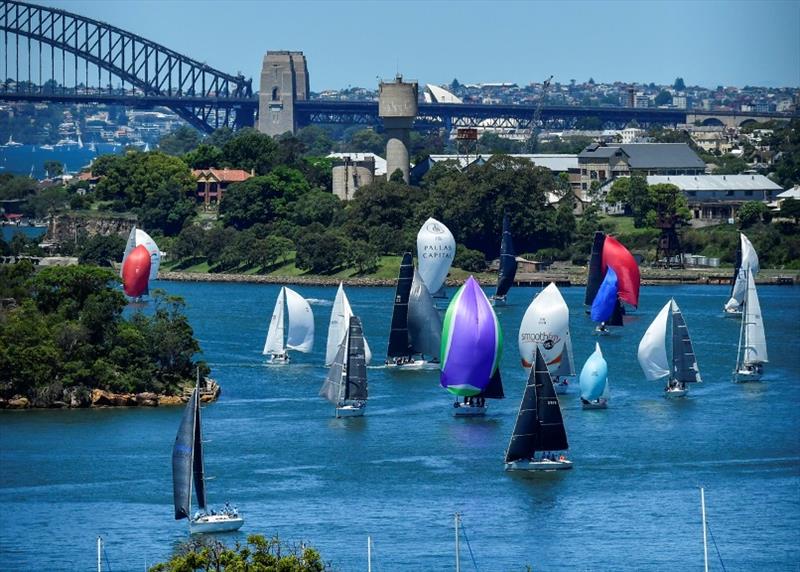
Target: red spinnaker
(621,260)
(136,272)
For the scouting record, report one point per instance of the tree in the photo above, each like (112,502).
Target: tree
(790,208)
(316,139)
(321,252)
(204,157)
(16,187)
(251,151)
(639,200)
(663,98)
(364,256)
(367,141)
(101,249)
(53,168)
(258,554)
(679,85)
(469,260)
(493,143)
(263,199)
(180,141)
(668,205)
(750,213)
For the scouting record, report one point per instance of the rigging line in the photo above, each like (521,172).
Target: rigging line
(471,555)
(715,546)
(105,555)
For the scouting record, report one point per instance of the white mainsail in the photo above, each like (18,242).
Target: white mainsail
(653,347)
(130,245)
(436,249)
(338,326)
(546,324)
(749,263)
(142,238)
(274,342)
(755,343)
(301,322)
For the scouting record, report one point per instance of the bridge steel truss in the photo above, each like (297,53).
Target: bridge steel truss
(201,95)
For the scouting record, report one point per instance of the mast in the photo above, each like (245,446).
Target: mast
(705,540)
(458,555)
(369,554)
(99,549)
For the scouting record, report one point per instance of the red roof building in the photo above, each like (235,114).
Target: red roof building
(212,183)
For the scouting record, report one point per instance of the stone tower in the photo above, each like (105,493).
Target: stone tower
(284,80)
(397,106)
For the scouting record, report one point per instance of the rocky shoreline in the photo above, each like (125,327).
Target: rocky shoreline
(85,398)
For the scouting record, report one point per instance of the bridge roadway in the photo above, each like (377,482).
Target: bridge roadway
(431,115)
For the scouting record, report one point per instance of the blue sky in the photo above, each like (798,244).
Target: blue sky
(351,43)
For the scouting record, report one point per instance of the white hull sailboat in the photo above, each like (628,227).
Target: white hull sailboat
(415,337)
(188,475)
(751,354)
(346,383)
(469,408)
(681,368)
(300,336)
(539,440)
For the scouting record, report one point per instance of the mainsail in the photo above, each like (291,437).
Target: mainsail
(755,343)
(508,262)
(333,385)
(301,323)
(652,352)
(684,361)
(274,342)
(399,345)
(187,460)
(337,328)
(356,370)
(595,268)
(539,425)
(424,321)
(594,376)
(545,324)
(472,342)
(566,366)
(746,260)
(436,248)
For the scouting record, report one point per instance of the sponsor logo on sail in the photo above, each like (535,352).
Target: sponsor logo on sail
(547,340)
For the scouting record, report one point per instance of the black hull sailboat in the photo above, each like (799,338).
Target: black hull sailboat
(539,440)
(508,265)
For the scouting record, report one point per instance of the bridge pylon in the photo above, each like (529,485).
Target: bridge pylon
(284,80)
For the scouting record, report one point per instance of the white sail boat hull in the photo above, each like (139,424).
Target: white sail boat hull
(413,365)
(280,359)
(468,410)
(533,465)
(498,300)
(676,392)
(743,375)
(351,410)
(215,523)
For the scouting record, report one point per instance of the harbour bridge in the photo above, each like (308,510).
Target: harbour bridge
(50,55)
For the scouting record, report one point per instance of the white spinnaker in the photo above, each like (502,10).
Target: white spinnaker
(301,323)
(274,341)
(755,343)
(337,328)
(546,324)
(749,262)
(144,239)
(436,249)
(652,352)
(130,245)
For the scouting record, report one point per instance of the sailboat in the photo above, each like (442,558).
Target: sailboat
(138,237)
(416,331)
(546,324)
(608,252)
(508,265)
(338,327)
(746,260)
(346,384)
(187,470)
(11,143)
(606,308)
(682,367)
(751,354)
(539,427)
(436,249)
(300,331)
(472,344)
(136,273)
(594,381)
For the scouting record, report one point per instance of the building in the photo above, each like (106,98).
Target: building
(715,199)
(212,184)
(353,171)
(601,162)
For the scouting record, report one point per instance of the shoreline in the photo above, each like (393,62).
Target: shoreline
(566,278)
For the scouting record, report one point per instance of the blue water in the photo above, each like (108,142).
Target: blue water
(399,474)
(30,159)
(9,230)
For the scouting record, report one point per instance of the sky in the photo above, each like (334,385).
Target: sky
(353,43)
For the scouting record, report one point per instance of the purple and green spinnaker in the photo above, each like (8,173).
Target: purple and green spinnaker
(472,342)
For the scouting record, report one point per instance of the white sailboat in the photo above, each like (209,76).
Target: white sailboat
(595,391)
(436,249)
(337,328)
(188,475)
(751,354)
(346,383)
(546,324)
(746,260)
(300,331)
(682,367)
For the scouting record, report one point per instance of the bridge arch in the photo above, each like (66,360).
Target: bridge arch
(712,122)
(203,96)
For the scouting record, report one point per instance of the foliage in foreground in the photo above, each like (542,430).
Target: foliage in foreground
(257,555)
(65,335)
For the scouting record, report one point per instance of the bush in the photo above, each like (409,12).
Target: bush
(469,260)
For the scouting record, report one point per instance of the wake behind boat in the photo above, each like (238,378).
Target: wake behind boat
(539,428)
(188,470)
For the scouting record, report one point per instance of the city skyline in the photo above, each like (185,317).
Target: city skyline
(435,42)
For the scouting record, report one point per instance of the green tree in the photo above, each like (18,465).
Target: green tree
(53,168)
(180,141)
(316,139)
(101,249)
(46,202)
(493,143)
(469,260)
(679,85)
(16,187)
(263,199)
(663,98)
(321,252)
(639,200)
(668,205)
(251,151)
(367,141)
(205,156)
(750,213)
(364,256)
(790,208)
(259,554)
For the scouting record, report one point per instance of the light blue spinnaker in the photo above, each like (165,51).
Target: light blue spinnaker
(594,376)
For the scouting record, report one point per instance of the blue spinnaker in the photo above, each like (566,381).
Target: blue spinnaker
(594,376)
(606,299)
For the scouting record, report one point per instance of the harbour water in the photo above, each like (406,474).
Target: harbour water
(30,159)
(631,503)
